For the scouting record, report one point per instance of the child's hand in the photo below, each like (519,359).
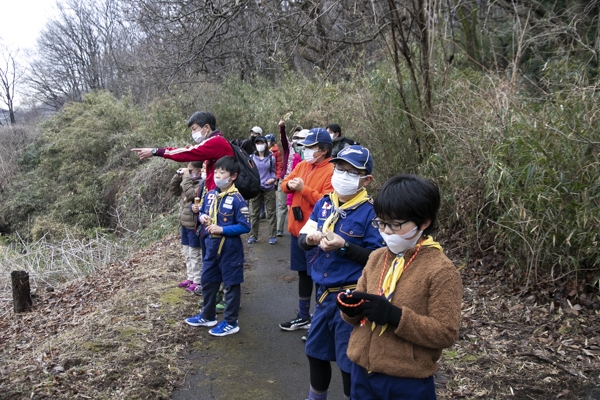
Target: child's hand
(281,122)
(314,238)
(331,241)
(269,181)
(204,219)
(195,208)
(214,229)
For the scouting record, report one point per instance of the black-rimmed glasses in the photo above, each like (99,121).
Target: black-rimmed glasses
(393,225)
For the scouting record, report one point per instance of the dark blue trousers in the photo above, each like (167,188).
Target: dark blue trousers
(233,295)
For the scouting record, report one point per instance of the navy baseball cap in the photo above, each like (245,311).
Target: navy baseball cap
(260,139)
(270,137)
(357,156)
(316,135)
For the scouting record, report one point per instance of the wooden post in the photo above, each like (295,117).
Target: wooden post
(21,291)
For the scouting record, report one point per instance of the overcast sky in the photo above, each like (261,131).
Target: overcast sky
(22,21)
(20,25)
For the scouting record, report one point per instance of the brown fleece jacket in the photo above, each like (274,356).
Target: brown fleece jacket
(430,294)
(186,188)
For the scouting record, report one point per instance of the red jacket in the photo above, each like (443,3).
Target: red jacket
(213,148)
(317,183)
(279,173)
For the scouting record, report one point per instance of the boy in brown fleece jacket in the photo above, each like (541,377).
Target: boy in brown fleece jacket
(407,304)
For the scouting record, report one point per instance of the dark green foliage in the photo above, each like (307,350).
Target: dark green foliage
(75,173)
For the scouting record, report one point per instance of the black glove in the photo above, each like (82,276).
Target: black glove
(377,309)
(352,312)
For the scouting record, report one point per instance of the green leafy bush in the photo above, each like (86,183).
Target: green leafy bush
(81,164)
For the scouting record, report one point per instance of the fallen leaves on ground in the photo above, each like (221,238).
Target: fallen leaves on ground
(519,343)
(115,334)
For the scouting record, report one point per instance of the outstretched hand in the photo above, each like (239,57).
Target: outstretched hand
(378,309)
(143,153)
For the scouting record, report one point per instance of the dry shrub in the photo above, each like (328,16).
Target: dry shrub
(14,142)
(521,174)
(62,257)
(144,196)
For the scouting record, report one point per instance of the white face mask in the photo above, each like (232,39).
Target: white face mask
(203,175)
(332,136)
(401,243)
(344,184)
(309,155)
(221,183)
(261,147)
(198,136)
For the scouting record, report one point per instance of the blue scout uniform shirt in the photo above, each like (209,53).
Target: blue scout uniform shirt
(332,268)
(223,259)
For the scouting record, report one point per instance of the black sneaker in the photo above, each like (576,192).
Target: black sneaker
(296,323)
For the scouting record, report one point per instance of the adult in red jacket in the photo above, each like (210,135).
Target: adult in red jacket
(211,146)
(309,181)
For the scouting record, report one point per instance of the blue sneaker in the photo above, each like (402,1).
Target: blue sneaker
(224,329)
(197,320)
(272,240)
(252,240)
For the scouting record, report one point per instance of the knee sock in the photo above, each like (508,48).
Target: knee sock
(305,286)
(304,308)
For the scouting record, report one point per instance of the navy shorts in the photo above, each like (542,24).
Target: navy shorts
(298,257)
(376,386)
(189,237)
(329,334)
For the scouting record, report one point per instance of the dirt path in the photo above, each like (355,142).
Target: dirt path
(261,361)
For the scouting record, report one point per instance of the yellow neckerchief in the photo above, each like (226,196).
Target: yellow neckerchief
(214,207)
(395,272)
(338,211)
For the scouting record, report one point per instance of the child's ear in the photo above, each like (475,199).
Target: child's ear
(233,177)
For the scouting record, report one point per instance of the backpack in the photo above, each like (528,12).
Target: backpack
(248,180)
(349,141)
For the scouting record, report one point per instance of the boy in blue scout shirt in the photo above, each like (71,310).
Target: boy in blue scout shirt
(225,216)
(341,232)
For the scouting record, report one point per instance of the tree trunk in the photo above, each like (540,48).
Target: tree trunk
(21,291)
